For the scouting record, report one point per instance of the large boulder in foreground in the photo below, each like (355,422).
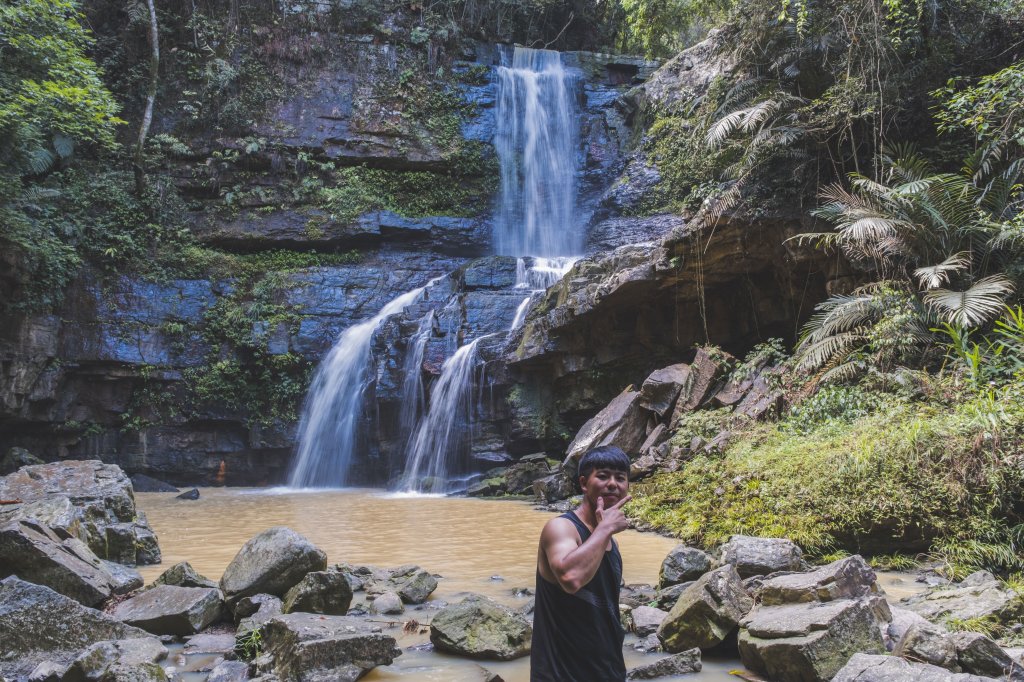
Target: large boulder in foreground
(761,556)
(302,646)
(808,642)
(706,612)
(480,628)
(979,655)
(37,624)
(980,595)
(86,499)
(928,643)
(873,668)
(172,610)
(34,552)
(271,563)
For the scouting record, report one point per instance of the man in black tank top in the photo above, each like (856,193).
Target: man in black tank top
(577,634)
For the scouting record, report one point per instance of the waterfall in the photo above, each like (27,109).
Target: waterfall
(440,438)
(330,415)
(536,143)
(413,397)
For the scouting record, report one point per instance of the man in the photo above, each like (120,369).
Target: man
(577,635)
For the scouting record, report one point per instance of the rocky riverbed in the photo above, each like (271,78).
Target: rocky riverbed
(282,611)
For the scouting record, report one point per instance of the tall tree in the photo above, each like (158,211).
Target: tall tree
(147,115)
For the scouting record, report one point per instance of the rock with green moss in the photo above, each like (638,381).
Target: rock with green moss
(15,459)
(808,642)
(271,562)
(480,628)
(706,612)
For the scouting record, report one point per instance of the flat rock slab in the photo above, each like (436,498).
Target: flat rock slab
(210,643)
(271,563)
(761,556)
(38,624)
(871,668)
(808,642)
(172,610)
(706,611)
(647,619)
(303,646)
(480,628)
(682,663)
(125,659)
(980,595)
(847,578)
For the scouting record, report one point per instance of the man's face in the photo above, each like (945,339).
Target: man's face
(609,485)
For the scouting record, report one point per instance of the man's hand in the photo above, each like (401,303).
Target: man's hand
(612,518)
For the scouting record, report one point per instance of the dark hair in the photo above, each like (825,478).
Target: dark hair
(604,457)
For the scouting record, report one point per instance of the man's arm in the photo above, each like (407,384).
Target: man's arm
(574,564)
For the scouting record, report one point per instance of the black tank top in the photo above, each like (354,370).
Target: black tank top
(578,637)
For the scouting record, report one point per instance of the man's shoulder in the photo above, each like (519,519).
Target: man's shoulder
(560,527)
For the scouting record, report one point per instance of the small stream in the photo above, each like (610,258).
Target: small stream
(483,546)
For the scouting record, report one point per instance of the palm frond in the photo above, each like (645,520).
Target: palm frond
(980,303)
(934,276)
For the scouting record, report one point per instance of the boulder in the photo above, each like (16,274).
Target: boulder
(192,494)
(413,584)
(706,612)
(622,423)
(33,552)
(252,613)
(927,643)
(847,578)
(320,592)
(980,595)
(808,642)
(660,390)
(38,624)
(761,400)
(646,620)
(172,610)
(902,620)
(666,598)
(702,381)
(682,565)
(80,499)
(303,646)
(979,655)
(873,668)
(271,563)
(123,659)
(388,604)
(480,628)
(682,663)
(555,487)
(760,556)
(183,575)
(15,458)
(124,579)
(229,671)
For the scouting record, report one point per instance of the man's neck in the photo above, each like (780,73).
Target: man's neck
(586,514)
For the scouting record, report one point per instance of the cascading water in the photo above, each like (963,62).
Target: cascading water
(330,415)
(441,434)
(414,398)
(536,143)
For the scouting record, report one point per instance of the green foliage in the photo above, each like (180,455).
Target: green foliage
(831,405)
(766,354)
(893,562)
(249,646)
(51,93)
(660,28)
(904,476)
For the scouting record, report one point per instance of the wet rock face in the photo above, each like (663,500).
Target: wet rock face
(172,610)
(37,624)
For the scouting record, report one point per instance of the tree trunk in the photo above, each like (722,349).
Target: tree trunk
(147,116)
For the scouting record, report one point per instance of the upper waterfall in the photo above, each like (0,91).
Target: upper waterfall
(536,143)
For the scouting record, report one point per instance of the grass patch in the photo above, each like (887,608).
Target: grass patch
(904,476)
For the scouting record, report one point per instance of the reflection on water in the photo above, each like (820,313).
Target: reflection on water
(483,546)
